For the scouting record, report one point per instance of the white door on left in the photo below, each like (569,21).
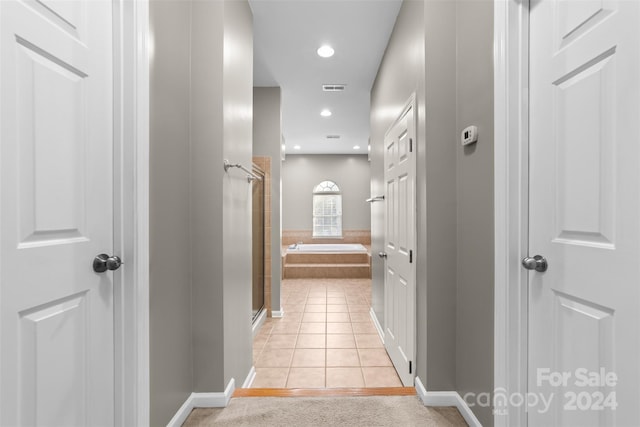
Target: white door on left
(56,212)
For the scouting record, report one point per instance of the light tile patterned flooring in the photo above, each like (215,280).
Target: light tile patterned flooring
(326,339)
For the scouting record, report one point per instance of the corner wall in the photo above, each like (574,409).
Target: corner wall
(443,50)
(201,113)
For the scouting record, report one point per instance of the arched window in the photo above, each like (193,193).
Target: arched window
(327,210)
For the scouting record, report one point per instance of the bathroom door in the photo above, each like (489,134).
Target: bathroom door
(400,238)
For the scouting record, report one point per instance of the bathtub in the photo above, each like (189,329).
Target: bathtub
(328,247)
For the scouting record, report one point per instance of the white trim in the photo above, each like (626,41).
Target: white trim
(510,203)
(277,314)
(257,324)
(249,380)
(131,210)
(202,400)
(376,323)
(447,398)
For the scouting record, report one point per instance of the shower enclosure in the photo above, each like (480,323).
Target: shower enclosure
(258,229)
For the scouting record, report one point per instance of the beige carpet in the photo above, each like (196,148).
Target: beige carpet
(397,411)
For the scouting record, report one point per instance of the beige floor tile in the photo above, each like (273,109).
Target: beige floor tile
(374,357)
(364,328)
(313,328)
(358,308)
(360,317)
(316,300)
(315,308)
(286,328)
(342,357)
(337,308)
(355,300)
(335,294)
(274,358)
(311,341)
(317,294)
(306,378)
(339,300)
(368,341)
(381,377)
(338,317)
(339,328)
(344,377)
(281,341)
(290,317)
(314,317)
(308,358)
(340,341)
(270,378)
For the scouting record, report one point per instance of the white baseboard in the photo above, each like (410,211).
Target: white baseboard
(249,380)
(377,324)
(255,328)
(446,398)
(277,314)
(202,400)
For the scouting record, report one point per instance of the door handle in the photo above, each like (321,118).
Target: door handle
(382,254)
(104,262)
(537,263)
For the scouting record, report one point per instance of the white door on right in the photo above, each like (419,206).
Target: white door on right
(400,224)
(584,311)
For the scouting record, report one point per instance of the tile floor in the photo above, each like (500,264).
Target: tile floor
(326,339)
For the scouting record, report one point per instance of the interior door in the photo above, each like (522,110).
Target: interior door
(400,222)
(584,311)
(56,207)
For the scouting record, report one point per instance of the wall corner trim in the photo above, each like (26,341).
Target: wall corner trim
(377,324)
(250,377)
(446,398)
(203,400)
(277,314)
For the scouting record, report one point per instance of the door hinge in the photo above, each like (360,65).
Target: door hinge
(410,366)
(410,257)
(411,145)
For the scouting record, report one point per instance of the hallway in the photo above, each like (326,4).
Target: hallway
(325,339)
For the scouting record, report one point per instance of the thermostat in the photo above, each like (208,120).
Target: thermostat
(469,135)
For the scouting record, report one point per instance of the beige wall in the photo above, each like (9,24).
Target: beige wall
(474,360)
(442,50)
(201,108)
(301,173)
(267,134)
(171,361)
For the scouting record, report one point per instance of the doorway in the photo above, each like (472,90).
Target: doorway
(258,253)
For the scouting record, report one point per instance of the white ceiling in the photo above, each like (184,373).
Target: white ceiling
(287,34)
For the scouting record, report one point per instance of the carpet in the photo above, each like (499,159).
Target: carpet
(367,411)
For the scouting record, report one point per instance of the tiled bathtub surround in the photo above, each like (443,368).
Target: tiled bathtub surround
(325,340)
(290,237)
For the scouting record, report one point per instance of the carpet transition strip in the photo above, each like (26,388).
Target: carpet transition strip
(324,392)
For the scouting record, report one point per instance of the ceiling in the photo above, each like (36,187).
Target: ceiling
(287,34)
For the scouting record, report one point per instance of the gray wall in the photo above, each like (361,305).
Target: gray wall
(475,202)
(267,136)
(442,51)
(171,370)
(200,308)
(301,173)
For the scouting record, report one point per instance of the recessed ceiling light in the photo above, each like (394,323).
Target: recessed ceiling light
(296,147)
(325,113)
(356,147)
(325,51)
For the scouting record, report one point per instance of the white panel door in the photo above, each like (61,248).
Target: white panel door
(56,314)
(584,311)
(400,223)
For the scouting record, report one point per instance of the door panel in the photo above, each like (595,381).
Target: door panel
(584,210)
(56,213)
(399,161)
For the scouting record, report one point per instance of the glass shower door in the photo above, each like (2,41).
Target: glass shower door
(258,228)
